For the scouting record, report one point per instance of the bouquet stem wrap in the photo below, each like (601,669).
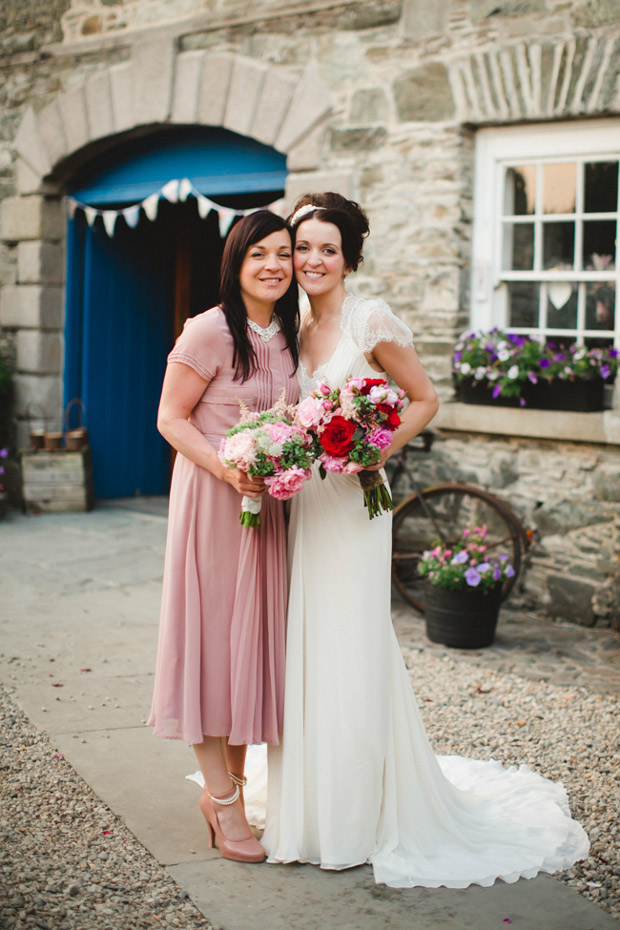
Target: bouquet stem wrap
(250,511)
(377,497)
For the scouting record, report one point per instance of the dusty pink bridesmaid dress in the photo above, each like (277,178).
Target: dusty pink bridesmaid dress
(220,658)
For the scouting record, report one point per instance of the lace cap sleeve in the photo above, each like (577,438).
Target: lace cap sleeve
(372,321)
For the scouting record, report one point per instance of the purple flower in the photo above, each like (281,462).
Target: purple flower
(544,363)
(497,573)
(484,567)
(503,557)
(532,377)
(605,371)
(613,353)
(497,390)
(509,571)
(3,453)
(460,558)
(522,402)
(472,578)
(458,356)
(1,469)
(560,357)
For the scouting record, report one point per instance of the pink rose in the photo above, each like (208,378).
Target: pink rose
(279,432)
(240,449)
(287,483)
(309,412)
(332,463)
(381,438)
(352,468)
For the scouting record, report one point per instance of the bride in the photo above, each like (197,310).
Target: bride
(355,779)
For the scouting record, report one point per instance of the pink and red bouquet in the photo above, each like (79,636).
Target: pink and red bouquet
(268,444)
(351,427)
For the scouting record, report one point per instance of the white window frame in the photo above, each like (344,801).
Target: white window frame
(495,151)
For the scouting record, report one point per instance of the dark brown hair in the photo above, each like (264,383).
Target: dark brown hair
(244,234)
(347,215)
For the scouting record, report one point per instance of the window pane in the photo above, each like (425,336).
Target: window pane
(600,305)
(518,247)
(561,305)
(523,303)
(559,188)
(601,187)
(520,194)
(599,245)
(558,246)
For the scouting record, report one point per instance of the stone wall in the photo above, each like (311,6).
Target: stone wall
(568,494)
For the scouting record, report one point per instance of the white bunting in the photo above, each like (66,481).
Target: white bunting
(174,191)
(109,221)
(132,215)
(170,191)
(151,206)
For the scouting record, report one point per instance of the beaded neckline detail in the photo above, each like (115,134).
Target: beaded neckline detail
(267,332)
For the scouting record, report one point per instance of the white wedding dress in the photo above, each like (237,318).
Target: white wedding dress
(355,779)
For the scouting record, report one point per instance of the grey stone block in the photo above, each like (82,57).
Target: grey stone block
(274,100)
(99,110)
(213,91)
(39,396)
(315,181)
(32,217)
(422,19)
(121,90)
(595,13)
(27,180)
(306,155)
(152,64)
(311,102)
(187,73)
(40,263)
(29,146)
(72,105)
(571,598)
(31,306)
(39,352)
(244,90)
(52,133)
(424,94)
(369,105)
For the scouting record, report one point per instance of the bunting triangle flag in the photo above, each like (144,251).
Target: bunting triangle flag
(132,215)
(185,189)
(170,191)
(151,206)
(109,221)
(225,217)
(204,206)
(91,215)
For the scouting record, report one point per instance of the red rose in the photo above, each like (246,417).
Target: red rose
(336,438)
(370,383)
(393,420)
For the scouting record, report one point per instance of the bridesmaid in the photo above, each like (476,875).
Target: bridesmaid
(219,681)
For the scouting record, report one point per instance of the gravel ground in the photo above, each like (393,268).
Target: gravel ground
(67,862)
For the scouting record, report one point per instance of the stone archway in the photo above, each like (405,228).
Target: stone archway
(157,86)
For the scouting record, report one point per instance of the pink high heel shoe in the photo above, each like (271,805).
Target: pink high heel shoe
(246,850)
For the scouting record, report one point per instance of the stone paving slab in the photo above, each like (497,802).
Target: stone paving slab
(267,897)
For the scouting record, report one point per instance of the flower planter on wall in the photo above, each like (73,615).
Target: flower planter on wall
(583,396)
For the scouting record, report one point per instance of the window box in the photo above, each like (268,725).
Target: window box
(583,396)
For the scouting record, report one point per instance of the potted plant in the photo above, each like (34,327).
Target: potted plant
(464,590)
(503,368)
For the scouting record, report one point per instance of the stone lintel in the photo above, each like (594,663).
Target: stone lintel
(72,106)
(52,133)
(29,146)
(246,82)
(187,72)
(27,181)
(310,103)
(213,90)
(305,156)
(99,105)
(275,98)
(153,68)
(121,91)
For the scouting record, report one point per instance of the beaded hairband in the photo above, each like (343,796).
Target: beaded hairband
(303,211)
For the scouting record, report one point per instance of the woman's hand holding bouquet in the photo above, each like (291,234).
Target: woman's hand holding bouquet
(268,444)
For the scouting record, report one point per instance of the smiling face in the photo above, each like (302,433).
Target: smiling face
(319,263)
(267,270)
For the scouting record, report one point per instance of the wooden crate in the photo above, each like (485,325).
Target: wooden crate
(56,482)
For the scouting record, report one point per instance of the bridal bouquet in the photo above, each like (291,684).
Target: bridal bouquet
(268,444)
(351,427)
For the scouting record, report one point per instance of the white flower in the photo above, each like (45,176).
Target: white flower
(513,371)
(493,374)
(480,373)
(465,368)
(579,354)
(502,344)
(503,355)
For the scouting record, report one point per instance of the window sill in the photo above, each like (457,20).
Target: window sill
(603,427)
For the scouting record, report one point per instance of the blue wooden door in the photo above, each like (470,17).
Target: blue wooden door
(119,328)
(127,296)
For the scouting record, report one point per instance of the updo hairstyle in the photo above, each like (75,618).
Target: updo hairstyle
(347,215)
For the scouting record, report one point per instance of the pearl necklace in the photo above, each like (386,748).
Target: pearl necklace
(267,332)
